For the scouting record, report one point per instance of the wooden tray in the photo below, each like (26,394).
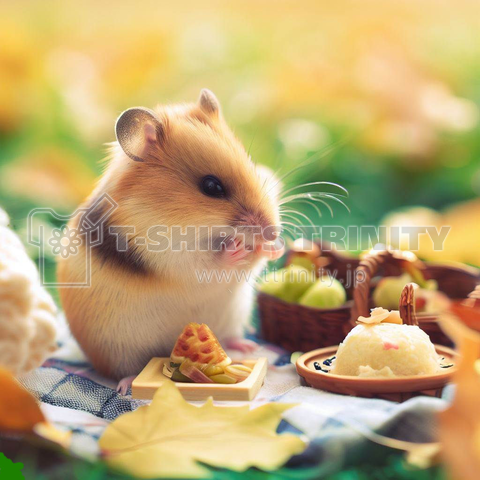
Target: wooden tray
(396,389)
(151,377)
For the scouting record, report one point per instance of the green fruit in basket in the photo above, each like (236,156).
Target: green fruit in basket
(431,285)
(304,262)
(388,291)
(297,281)
(325,293)
(272,285)
(289,283)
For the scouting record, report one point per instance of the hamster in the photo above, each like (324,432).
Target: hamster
(175,166)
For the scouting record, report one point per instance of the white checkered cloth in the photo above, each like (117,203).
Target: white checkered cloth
(340,428)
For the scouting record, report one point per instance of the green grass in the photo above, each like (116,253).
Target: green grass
(42,463)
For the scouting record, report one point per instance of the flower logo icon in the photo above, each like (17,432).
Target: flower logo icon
(65,241)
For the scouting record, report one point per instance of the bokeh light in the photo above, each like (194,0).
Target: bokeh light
(393,86)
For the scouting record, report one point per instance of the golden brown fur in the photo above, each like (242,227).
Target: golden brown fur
(130,314)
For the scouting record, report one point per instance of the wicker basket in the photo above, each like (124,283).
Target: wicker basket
(455,282)
(298,328)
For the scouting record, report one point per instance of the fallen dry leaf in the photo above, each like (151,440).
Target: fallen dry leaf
(20,413)
(460,424)
(47,431)
(424,456)
(169,438)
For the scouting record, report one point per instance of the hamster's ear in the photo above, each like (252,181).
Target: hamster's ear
(138,132)
(209,103)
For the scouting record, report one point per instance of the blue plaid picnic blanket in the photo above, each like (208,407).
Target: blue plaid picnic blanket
(341,428)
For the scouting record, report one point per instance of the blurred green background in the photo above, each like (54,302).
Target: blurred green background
(393,86)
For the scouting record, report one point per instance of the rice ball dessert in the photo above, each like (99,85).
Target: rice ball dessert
(381,346)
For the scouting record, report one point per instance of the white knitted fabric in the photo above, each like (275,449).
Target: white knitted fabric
(27,311)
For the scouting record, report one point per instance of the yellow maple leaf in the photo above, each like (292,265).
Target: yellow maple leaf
(169,437)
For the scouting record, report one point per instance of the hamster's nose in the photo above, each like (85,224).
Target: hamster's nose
(269,243)
(270,231)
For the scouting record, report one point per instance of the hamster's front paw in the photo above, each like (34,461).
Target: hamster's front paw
(124,384)
(241,344)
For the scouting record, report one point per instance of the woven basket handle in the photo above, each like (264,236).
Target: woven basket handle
(364,273)
(407,304)
(475,294)
(473,299)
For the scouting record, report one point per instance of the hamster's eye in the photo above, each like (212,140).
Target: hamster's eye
(212,186)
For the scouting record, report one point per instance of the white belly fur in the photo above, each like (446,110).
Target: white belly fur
(131,325)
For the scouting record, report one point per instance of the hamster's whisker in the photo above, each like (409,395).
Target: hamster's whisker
(314,195)
(317,200)
(283,215)
(305,163)
(289,235)
(264,184)
(288,222)
(310,202)
(309,184)
(323,202)
(250,148)
(318,155)
(287,231)
(300,214)
(336,199)
(287,228)
(293,170)
(296,226)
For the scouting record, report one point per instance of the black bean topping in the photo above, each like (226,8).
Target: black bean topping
(328,361)
(318,367)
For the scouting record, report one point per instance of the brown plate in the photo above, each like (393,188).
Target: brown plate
(399,389)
